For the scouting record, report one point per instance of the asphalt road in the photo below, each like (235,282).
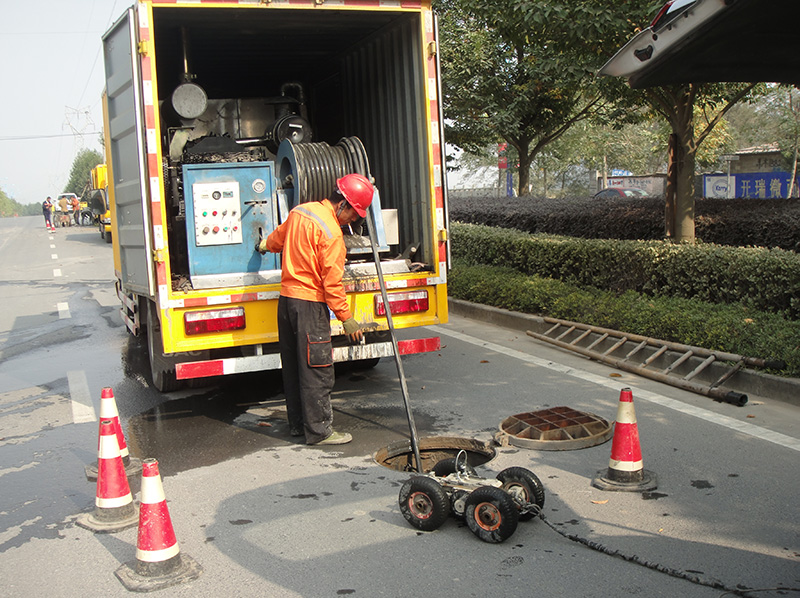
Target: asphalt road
(265,515)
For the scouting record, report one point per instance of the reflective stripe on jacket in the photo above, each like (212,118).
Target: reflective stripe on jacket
(313,256)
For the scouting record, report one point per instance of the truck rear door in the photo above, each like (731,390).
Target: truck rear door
(127,151)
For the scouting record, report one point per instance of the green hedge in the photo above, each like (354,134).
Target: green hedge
(734,328)
(763,279)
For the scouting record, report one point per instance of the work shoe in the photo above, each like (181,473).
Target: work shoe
(296,432)
(337,438)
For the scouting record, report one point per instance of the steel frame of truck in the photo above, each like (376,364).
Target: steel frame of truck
(242,335)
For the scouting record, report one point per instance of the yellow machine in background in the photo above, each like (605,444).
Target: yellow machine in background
(98,200)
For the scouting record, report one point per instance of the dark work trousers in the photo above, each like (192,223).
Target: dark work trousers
(304,333)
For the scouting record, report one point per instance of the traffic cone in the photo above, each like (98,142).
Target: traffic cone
(108,410)
(114,509)
(159,563)
(625,467)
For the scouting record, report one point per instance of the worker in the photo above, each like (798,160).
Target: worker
(76,210)
(314,253)
(63,207)
(47,212)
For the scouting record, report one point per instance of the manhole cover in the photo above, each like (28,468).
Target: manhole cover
(400,456)
(556,429)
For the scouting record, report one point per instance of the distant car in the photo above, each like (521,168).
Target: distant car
(617,192)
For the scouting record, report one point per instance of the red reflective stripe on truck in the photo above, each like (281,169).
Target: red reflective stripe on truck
(419,345)
(199,369)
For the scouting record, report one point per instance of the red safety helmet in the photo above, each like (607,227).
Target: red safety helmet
(357,190)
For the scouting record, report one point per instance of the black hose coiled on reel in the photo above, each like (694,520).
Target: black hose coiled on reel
(308,171)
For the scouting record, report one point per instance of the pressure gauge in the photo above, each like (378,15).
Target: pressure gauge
(259,185)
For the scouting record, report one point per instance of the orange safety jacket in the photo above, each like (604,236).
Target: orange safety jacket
(313,256)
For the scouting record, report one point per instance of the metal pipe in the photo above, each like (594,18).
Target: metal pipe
(400,372)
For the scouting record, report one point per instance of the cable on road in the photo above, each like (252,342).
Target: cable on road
(696,579)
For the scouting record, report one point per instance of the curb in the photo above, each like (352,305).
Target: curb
(786,390)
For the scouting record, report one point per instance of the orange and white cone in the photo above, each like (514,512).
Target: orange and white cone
(159,563)
(114,509)
(626,470)
(108,410)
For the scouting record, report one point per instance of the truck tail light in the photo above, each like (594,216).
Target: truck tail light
(403,303)
(214,320)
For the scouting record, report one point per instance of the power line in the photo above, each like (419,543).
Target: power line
(29,137)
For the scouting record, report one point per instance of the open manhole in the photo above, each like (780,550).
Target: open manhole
(400,456)
(555,429)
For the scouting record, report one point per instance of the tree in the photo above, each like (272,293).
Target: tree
(677,104)
(81,171)
(10,207)
(523,71)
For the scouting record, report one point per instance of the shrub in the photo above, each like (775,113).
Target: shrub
(735,222)
(733,328)
(760,278)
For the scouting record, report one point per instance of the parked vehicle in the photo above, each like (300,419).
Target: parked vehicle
(617,192)
(216,129)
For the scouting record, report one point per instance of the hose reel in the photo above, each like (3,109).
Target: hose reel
(308,171)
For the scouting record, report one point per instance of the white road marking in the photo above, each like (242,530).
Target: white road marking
(710,416)
(52,245)
(63,311)
(57,272)
(54,256)
(82,404)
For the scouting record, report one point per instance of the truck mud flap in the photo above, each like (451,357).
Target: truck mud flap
(258,363)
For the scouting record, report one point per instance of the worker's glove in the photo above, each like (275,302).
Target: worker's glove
(261,246)
(351,326)
(353,330)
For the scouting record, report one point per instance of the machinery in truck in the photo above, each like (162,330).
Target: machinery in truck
(219,118)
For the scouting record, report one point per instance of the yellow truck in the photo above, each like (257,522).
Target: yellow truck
(98,200)
(220,117)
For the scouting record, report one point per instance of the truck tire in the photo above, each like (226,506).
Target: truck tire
(491,514)
(162,368)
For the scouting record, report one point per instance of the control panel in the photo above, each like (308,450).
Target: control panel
(217,213)
(229,207)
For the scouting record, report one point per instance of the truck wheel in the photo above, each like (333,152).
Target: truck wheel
(524,487)
(162,368)
(491,514)
(424,503)
(107,236)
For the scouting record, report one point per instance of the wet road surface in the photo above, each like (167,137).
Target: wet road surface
(266,515)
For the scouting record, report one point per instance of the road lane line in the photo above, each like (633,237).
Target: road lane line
(52,245)
(82,404)
(57,272)
(63,311)
(54,256)
(710,416)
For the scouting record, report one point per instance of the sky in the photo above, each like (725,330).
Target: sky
(52,80)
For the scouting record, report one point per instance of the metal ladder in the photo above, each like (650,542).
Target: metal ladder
(672,363)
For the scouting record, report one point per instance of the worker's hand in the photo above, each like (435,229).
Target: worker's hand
(261,246)
(353,330)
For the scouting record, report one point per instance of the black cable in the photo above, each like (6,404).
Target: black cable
(717,585)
